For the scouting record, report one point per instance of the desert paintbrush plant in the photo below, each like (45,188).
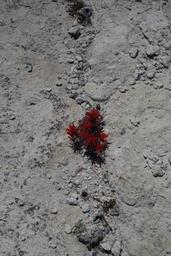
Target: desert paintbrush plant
(89,137)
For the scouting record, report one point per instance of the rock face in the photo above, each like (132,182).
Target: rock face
(53,67)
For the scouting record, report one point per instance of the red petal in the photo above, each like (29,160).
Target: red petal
(99,148)
(103,136)
(93,114)
(72,130)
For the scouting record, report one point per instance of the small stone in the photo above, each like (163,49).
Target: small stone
(28,67)
(152,51)
(68,229)
(85,208)
(167,86)
(77,182)
(158,172)
(73,81)
(23,238)
(74,94)
(12,117)
(49,176)
(48,89)
(123,131)
(158,85)
(80,99)
(165,61)
(70,61)
(74,32)
(72,201)
(136,75)
(79,58)
(84,105)
(54,211)
(150,74)
(116,249)
(123,89)
(106,247)
(134,121)
(19,202)
(133,52)
(69,87)
(132,81)
(59,83)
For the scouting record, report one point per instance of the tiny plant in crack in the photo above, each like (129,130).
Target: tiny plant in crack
(89,137)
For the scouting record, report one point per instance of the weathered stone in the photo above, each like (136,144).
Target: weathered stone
(28,67)
(152,51)
(59,83)
(70,61)
(150,74)
(74,32)
(85,208)
(116,248)
(158,172)
(133,52)
(68,229)
(106,247)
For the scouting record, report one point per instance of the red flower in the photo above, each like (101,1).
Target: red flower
(72,130)
(89,135)
(83,134)
(90,140)
(103,136)
(87,124)
(99,147)
(93,114)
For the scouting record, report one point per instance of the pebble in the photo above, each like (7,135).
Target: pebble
(150,74)
(158,172)
(48,89)
(68,229)
(116,249)
(19,202)
(74,32)
(133,52)
(152,51)
(123,131)
(79,58)
(165,61)
(136,75)
(69,86)
(74,94)
(106,247)
(85,208)
(59,83)
(85,105)
(70,61)
(73,81)
(77,182)
(167,86)
(158,85)
(53,211)
(80,99)
(72,201)
(123,89)
(28,67)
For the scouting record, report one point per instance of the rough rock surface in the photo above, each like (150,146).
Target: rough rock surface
(54,66)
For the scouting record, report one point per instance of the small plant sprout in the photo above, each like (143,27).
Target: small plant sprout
(89,137)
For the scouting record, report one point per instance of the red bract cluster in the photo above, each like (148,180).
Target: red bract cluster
(88,136)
